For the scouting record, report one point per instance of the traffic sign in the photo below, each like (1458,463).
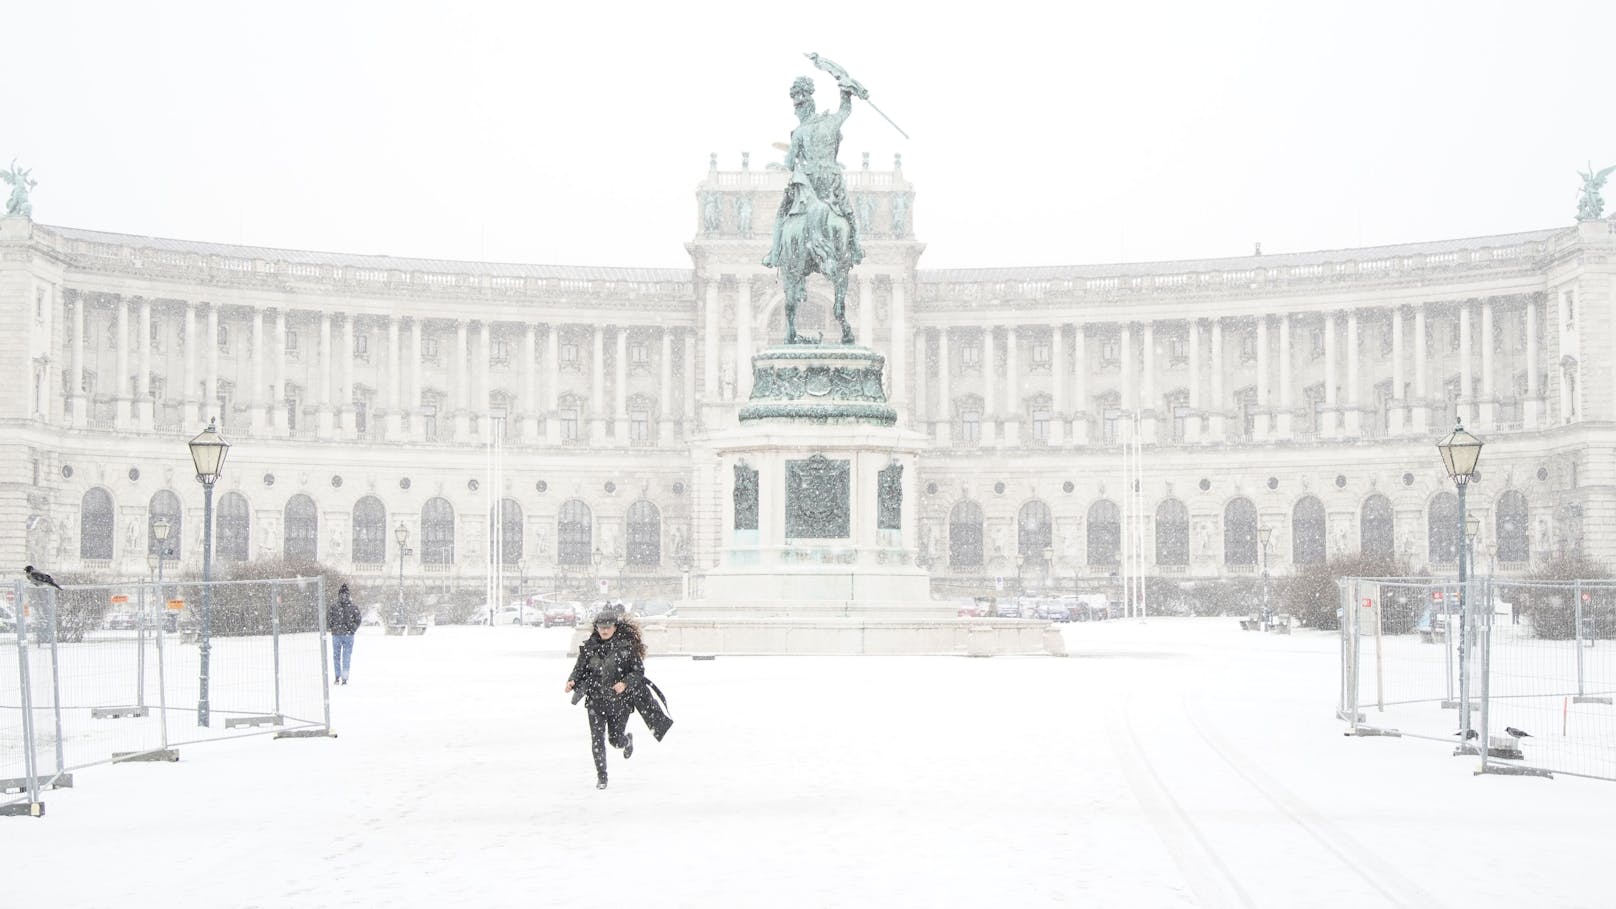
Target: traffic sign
(1369,602)
(176,605)
(603,585)
(120,598)
(1436,595)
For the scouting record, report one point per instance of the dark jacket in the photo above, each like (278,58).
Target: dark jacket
(344,617)
(602,664)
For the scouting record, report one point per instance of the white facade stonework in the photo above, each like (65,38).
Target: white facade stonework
(1311,386)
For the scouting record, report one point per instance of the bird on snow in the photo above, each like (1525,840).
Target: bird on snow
(1468,734)
(39,578)
(1518,733)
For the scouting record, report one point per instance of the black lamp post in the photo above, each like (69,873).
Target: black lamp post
(208,450)
(402,535)
(1460,452)
(160,529)
(595,559)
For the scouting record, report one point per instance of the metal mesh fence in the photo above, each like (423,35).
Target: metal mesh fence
(94,674)
(1527,669)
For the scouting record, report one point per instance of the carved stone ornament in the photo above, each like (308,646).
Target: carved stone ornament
(746,498)
(889,498)
(817,493)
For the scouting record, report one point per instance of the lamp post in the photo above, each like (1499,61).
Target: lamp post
(402,535)
(595,559)
(160,530)
(1264,534)
(1460,451)
(208,450)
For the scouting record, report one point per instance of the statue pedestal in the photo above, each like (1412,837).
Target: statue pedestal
(817,491)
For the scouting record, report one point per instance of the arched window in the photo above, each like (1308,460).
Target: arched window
(573,534)
(1105,533)
(1172,533)
(166,505)
(1308,532)
(510,530)
(369,531)
(1512,528)
(965,536)
(644,534)
(1240,533)
(302,538)
(1033,534)
(1376,528)
(234,520)
(95,525)
(1442,529)
(437,532)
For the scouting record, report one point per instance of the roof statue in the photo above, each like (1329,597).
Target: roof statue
(21,181)
(1591,206)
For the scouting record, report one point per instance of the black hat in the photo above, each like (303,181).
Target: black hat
(610,614)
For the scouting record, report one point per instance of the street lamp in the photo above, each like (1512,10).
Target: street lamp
(160,529)
(402,535)
(1460,452)
(595,559)
(207,453)
(1264,534)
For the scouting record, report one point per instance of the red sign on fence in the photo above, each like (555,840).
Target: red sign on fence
(1436,595)
(1368,602)
(1587,597)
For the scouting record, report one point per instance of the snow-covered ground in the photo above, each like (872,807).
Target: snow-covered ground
(1164,763)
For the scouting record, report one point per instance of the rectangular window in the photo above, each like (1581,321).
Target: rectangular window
(1248,345)
(1178,349)
(569,425)
(224,338)
(569,353)
(1313,397)
(1181,418)
(291,341)
(429,421)
(291,414)
(1455,337)
(361,416)
(500,351)
(1386,340)
(1040,425)
(156,333)
(639,427)
(638,354)
(157,387)
(361,346)
(971,426)
(1316,339)
(1111,351)
(970,356)
(1040,353)
(429,349)
(1111,420)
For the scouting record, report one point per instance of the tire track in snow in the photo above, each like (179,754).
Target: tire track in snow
(1211,880)
(1381,875)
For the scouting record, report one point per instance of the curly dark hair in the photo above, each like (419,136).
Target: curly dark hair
(628,626)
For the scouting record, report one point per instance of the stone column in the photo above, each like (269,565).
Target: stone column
(345,382)
(122,403)
(552,385)
(1287,381)
(1532,412)
(1057,384)
(1354,427)
(597,387)
(866,311)
(78,402)
(1332,413)
(990,400)
(943,413)
(210,391)
(1421,403)
(1128,379)
(460,377)
(620,389)
(186,394)
(482,362)
(689,345)
(529,432)
(665,411)
(412,397)
(1013,414)
(1080,384)
(710,340)
(1220,405)
(324,419)
(257,351)
(277,365)
(143,398)
(1259,425)
(898,327)
(1192,426)
(1399,401)
(917,413)
(1149,405)
(743,339)
(391,382)
(1467,395)
(1489,408)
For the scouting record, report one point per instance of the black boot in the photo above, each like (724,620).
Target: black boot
(628,746)
(600,781)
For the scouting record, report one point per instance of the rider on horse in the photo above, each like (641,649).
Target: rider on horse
(812,160)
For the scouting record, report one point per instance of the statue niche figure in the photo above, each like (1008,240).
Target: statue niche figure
(815,229)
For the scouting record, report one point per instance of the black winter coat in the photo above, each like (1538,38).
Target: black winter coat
(602,664)
(344,617)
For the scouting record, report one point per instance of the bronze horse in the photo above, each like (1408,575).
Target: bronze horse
(813,238)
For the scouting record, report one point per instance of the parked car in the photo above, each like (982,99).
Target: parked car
(1007,608)
(1053,611)
(975,608)
(650,609)
(119,621)
(510,614)
(565,614)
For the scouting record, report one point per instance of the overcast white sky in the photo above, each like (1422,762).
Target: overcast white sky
(575,133)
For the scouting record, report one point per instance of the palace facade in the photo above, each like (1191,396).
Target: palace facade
(362,394)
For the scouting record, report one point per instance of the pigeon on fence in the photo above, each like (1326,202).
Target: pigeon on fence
(1468,734)
(1518,733)
(39,578)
